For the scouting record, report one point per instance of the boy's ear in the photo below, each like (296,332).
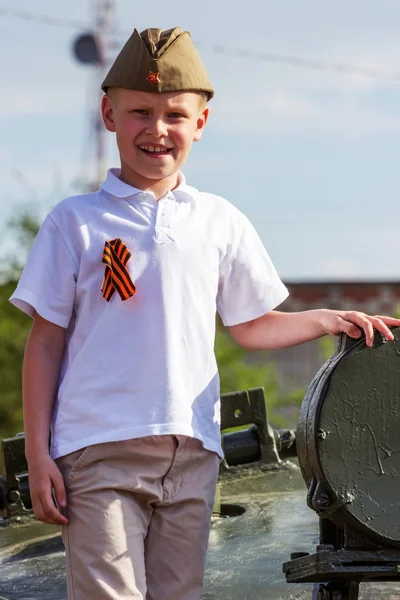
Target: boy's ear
(107,113)
(201,123)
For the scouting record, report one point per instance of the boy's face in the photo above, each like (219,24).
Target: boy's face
(154,131)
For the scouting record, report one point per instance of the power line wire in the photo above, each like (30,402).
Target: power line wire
(308,63)
(25,15)
(271,57)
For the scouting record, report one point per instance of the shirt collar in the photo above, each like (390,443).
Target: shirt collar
(114,186)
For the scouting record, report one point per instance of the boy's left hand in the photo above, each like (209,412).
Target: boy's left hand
(353,323)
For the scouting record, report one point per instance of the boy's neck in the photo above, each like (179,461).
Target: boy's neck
(159,187)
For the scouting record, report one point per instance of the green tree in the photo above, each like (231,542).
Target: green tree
(327,346)
(240,370)
(14,329)
(25,227)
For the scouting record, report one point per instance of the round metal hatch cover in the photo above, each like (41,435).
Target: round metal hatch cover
(359,438)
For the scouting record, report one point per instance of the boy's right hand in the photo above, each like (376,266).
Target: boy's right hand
(44,476)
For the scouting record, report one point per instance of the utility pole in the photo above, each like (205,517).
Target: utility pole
(105,20)
(92,48)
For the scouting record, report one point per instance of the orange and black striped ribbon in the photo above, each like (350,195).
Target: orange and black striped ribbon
(116,278)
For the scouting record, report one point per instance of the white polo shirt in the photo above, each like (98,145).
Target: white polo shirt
(145,365)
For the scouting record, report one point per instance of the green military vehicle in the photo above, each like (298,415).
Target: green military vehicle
(311,514)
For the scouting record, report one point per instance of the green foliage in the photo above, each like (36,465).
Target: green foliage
(285,412)
(327,346)
(14,329)
(25,226)
(240,370)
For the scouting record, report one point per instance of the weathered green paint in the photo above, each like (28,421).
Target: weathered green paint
(359,441)
(245,553)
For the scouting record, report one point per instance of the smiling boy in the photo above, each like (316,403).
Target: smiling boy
(124,285)
(154,134)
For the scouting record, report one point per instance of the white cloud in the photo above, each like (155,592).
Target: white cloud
(284,108)
(21,99)
(263,97)
(53,84)
(355,66)
(40,186)
(282,104)
(340,267)
(4,153)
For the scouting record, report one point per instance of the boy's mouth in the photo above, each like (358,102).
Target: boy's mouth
(154,150)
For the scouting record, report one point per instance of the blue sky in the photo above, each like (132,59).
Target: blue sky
(310,156)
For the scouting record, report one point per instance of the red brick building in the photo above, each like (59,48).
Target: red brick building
(374,297)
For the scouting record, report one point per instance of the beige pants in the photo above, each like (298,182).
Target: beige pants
(139,517)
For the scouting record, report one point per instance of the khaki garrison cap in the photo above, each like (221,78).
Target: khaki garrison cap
(159,61)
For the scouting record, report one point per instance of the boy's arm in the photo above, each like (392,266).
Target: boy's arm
(42,361)
(281,330)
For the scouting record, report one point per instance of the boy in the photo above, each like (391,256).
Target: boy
(123,285)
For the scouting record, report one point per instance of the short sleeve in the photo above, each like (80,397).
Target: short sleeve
(48,281)
(249,285)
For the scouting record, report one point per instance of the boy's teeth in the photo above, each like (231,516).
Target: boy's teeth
(153,148)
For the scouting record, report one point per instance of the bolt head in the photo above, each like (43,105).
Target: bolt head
(323,500)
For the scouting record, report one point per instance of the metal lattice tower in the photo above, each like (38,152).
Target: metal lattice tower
(93,48)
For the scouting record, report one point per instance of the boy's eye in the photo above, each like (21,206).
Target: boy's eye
(140,111)
(175,115)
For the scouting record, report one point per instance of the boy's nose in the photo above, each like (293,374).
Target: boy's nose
(157,128)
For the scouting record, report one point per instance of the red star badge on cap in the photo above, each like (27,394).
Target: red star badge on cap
(153,78)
